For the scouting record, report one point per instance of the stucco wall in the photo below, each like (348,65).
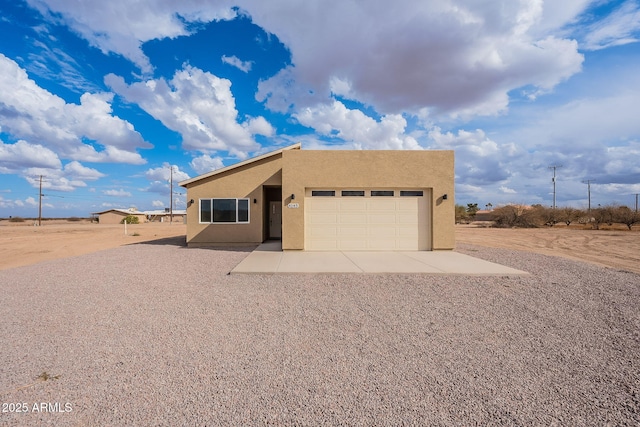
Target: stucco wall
(242,182)
(369,169)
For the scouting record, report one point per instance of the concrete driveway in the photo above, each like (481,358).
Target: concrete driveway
(269,258)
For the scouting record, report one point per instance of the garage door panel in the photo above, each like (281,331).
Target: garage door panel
(318,204)
(353,204)
(353,218)
(323,218)
(326,231)
(381,204)
(347,232)
(381,218)
(366,223)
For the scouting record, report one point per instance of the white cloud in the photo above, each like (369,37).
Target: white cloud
(157,204)
(32,113)
(479,159)
(446,56)
(117,193)
(206,163)
(165,173)
(355,127)
(21,155)
(620,27)
(118,27)
(234,61)
(507,190)
(197,104)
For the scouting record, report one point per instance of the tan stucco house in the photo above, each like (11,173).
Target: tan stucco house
(115,216)
(327,200)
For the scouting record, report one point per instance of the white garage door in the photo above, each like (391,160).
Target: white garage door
(367,223)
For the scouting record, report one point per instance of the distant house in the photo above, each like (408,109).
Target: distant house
(115,216)
(165,215)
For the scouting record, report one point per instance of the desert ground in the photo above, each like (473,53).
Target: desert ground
(615,248)
(24,244)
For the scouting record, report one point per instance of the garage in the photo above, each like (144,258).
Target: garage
(367,219)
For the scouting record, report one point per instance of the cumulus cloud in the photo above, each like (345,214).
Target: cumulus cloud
(117,27)
(479,159)
(445,56)
(30,112)
(197,104)
(234,61)
(206,163)
(21,155)
(358,129)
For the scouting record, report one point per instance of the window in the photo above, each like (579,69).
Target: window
(329,193)
(224,210)
(410,193)
(387,193)
(351,193)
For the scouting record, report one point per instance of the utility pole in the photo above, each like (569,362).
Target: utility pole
(588,182)
(636,202)
(171,195)
(554,167)
(40,203)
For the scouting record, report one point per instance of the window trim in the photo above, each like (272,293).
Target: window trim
(211,212)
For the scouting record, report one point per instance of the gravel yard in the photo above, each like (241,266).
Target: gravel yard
(158,334)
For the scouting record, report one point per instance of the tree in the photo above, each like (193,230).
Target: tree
(626,216)
(130,219)
(569,215)
(461,214)
(472,208)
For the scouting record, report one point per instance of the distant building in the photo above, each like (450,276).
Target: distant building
(115,216)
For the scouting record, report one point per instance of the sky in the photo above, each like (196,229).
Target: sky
(105,104)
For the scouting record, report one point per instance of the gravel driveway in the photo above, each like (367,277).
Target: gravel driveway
(158,334)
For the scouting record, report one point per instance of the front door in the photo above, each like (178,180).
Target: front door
(275,220)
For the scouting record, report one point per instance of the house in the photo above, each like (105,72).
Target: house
(327,200)
(115,216)
(179,215)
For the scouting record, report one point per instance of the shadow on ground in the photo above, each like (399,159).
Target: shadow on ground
(181,241)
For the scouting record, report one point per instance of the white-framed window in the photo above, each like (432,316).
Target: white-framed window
(226,211)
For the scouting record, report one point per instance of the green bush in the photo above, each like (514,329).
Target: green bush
(130,219)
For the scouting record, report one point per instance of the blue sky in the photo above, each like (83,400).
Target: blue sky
(102,98)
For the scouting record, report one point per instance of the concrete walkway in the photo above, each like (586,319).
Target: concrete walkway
(269,258)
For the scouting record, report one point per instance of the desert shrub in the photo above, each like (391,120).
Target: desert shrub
(569,215)
(626,216)
(602,215)
(74,219)
(516,216)
(16,219)
(472,209)
(130,219)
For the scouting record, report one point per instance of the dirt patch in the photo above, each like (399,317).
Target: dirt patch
(611,248)
(25,244)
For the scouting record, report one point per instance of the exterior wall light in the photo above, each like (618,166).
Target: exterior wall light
(293,196)
(445,197)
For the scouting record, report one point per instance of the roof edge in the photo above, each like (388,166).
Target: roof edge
(296,146)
